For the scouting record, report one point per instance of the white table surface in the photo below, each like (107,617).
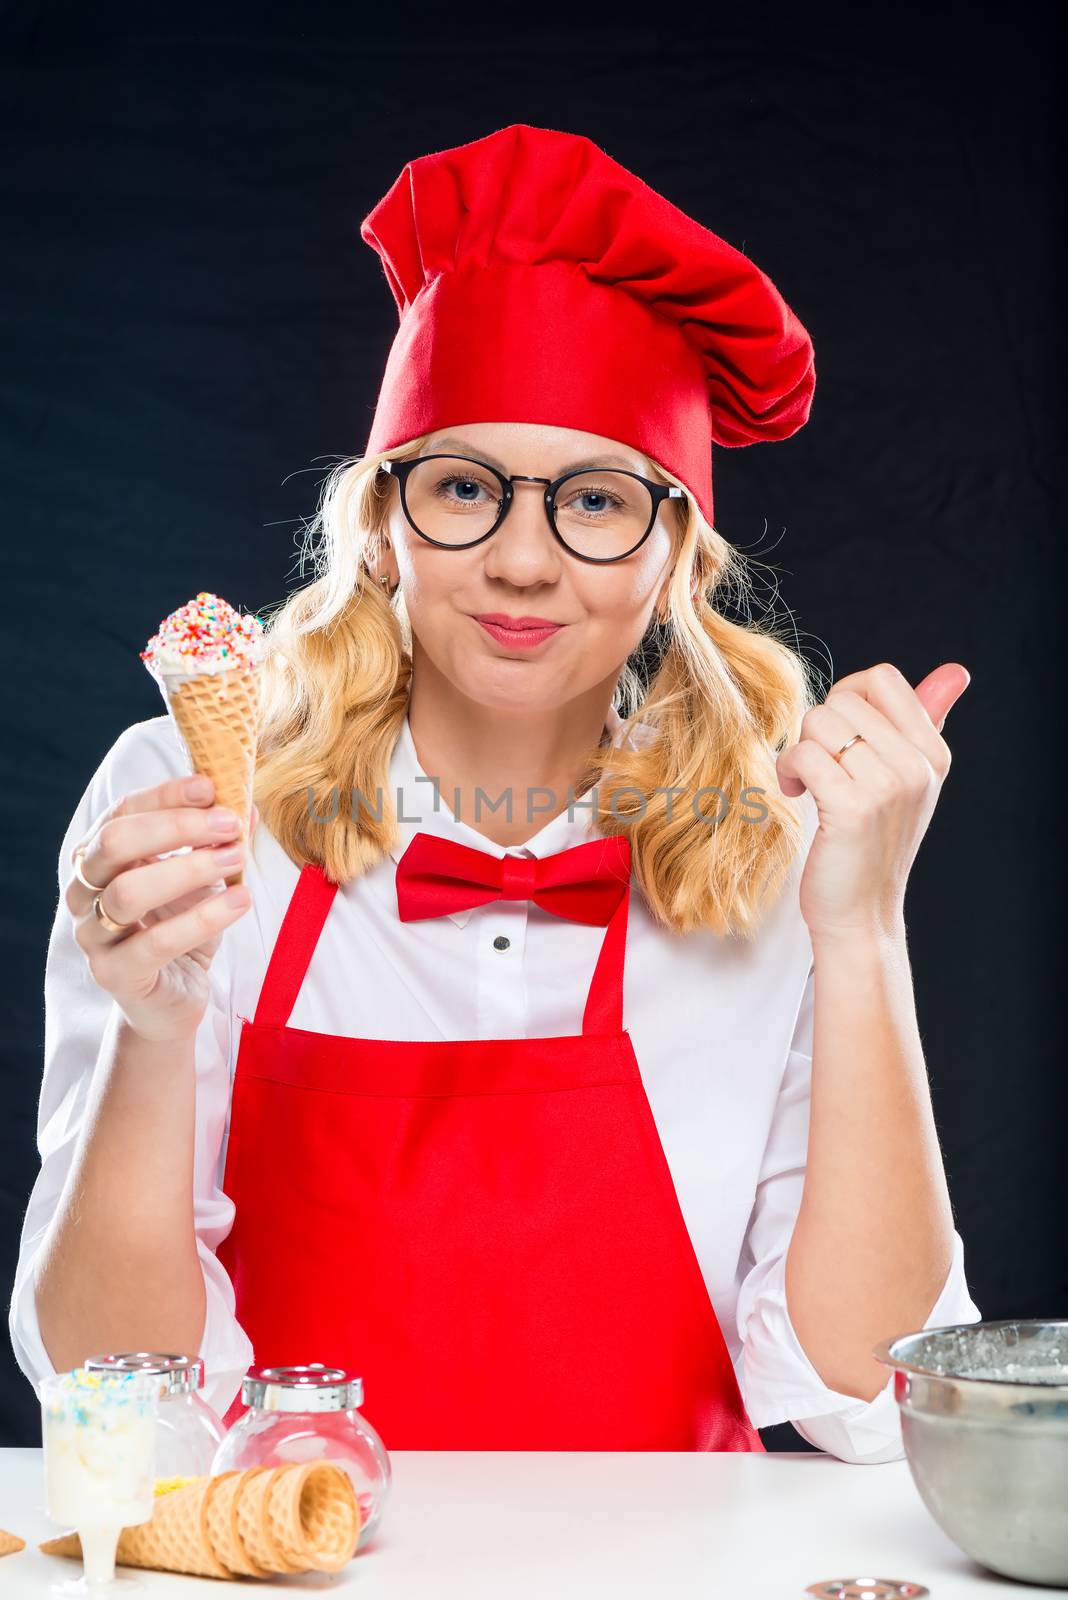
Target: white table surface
(512,1525)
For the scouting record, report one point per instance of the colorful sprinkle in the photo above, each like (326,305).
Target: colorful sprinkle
(86,1398)
(205,635)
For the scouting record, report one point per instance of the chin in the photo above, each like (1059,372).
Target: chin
(511,686)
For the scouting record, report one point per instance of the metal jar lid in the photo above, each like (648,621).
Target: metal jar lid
(310,1388)
(178,1374)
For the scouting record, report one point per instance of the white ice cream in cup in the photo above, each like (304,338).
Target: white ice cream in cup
(99,1436)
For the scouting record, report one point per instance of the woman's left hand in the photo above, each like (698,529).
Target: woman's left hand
(876,803)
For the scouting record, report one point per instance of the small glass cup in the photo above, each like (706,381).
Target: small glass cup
(99,1435)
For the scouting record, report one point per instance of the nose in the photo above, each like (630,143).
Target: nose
(523,550)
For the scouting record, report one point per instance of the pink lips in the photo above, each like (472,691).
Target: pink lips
(530,632)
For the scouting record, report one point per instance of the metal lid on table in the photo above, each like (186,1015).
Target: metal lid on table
(310,1388)
(866,1589)
(178,1374)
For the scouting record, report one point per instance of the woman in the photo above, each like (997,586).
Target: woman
(389,1081)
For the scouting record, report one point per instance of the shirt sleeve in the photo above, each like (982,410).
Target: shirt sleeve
(77,1012)
(778,1381)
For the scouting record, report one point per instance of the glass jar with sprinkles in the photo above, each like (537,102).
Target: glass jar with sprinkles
(188,1430)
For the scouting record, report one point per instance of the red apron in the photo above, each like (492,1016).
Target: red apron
(486,1230)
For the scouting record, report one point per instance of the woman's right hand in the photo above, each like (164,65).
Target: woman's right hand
(157,972)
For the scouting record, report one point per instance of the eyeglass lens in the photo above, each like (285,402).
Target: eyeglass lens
(598,513)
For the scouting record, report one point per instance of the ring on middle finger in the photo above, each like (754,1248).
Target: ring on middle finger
(856,739)
(108,922)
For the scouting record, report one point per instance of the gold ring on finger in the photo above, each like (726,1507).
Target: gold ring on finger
(848,745)
(79,872)
(108,922)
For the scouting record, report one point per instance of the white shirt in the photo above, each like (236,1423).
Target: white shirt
(722,1030)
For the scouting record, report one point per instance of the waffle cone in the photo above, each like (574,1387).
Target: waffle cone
(175,1539)
(67,1544)
(293,1518)
(10,1542)
(217,715)
(314,1515)
(224,1527)
(254,1524)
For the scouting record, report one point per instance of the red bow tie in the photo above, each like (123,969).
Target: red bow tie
(584,884)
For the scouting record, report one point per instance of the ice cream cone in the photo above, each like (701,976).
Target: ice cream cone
(208,659)
(293,1518)
(10,1543)
(217,715)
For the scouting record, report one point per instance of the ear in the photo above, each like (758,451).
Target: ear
(662,597)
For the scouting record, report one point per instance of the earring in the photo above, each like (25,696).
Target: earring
(384,579)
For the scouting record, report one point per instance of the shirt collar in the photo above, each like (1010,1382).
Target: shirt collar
(413,793)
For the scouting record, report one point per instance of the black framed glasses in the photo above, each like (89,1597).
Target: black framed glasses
(597,514)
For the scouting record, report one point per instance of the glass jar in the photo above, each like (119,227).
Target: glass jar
(188,1430)
(310,1414)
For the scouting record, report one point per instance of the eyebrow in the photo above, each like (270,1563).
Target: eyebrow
(576,466)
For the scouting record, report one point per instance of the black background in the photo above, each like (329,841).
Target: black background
(195,331)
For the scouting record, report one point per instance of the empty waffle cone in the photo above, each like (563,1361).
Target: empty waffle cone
(254,1524)
(176,1537)
(217,715)
(294,1518)
(10,1543)
(65,1544)
(314,1515)
(224,1527)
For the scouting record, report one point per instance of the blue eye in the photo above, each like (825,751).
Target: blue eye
(608,502)
(466,490)
(467,483)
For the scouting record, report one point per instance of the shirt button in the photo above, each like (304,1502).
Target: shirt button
(501,943)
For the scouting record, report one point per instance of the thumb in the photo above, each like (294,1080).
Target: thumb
(941,689)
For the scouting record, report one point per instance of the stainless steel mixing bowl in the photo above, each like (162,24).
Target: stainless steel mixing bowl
(984,1422)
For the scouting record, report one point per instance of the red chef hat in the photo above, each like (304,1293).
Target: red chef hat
(538,280)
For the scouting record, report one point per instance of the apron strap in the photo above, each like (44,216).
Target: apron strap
(297,938)
(604,1004)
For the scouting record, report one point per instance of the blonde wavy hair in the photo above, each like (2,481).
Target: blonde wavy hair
(721,699)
